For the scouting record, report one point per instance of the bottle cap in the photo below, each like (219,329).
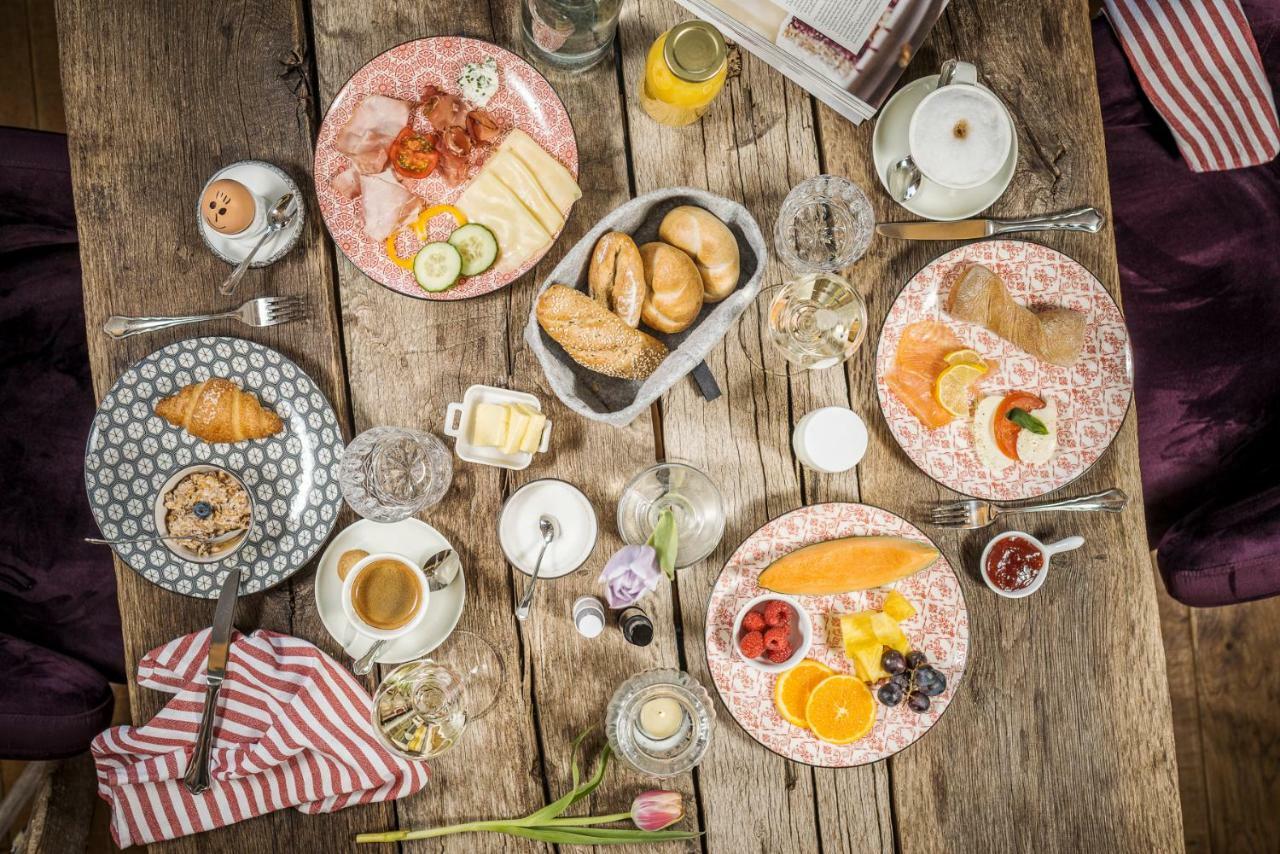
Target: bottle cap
(636,626)
(831,439)
(694,51)
(588,616)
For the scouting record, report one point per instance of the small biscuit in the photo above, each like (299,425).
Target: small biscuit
(349,559)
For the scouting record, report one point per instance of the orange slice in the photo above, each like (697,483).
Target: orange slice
(791,691)
(840,709)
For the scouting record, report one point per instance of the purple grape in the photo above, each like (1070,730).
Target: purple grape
(930,682)
(889,694)
(893,662)
(916,658)
(902,680)
(917,702)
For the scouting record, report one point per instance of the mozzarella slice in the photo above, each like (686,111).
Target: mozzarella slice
(984,434)
(492,204)
(1035,449)
(551,174)
(513,172)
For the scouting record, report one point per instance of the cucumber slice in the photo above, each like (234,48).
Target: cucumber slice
(437,267)
(478,246)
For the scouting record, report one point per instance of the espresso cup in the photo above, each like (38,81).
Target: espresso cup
(384,597)
(960,134)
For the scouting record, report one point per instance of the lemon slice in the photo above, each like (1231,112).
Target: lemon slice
(966,357)
(951,388)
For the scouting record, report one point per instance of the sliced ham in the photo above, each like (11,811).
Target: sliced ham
(387,204)
(374,124)
(482,127)
(346,183)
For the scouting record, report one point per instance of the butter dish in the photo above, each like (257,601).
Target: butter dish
(461,422)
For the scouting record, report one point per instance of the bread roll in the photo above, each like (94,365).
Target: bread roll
(675,288)
(595,337)
(616,277)
(711,245)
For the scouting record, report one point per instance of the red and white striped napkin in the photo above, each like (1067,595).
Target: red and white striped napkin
(292,730)
(1198,63)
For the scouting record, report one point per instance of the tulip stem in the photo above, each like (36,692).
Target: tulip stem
(588,820)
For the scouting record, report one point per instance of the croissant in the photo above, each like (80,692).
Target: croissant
(218,410)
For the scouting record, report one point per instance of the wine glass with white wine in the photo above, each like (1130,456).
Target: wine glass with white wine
(817,321)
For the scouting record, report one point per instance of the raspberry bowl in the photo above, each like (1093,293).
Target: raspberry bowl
(775,637)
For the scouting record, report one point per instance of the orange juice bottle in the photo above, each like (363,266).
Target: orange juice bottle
(683,73)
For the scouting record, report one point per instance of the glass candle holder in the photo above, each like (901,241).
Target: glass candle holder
(660,722)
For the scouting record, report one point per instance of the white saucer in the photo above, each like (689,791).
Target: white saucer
(412,538)
(931,201)
(575,525)
(266,181)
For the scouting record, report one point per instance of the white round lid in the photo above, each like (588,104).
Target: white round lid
(832,439)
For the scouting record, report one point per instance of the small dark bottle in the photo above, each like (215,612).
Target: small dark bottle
(636,626)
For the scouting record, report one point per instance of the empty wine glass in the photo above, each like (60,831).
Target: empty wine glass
(422,707)
(390,473)
(693,499)
(825,224)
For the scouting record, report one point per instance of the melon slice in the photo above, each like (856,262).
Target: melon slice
(846,565)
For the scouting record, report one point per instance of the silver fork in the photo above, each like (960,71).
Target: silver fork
(263,311)
(975,513)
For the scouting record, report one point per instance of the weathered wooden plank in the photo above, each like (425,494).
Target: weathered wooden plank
(207,91)
(754,145)
(1060,739)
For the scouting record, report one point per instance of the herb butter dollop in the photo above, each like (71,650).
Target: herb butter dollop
(479,81)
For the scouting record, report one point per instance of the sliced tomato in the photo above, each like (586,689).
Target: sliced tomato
(1006,431)
(413,155)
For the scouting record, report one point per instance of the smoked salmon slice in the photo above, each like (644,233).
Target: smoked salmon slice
(921,356)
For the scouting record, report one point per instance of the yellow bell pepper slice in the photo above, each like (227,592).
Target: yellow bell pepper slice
(420,224)
(394,254)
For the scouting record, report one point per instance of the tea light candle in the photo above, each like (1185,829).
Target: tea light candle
(661,718)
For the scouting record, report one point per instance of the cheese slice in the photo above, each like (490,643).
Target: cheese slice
(492,204)
(513,172)
(533,433)
(551,174)
(489,425)
(516,425)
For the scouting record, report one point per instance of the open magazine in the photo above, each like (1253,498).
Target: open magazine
(848,53)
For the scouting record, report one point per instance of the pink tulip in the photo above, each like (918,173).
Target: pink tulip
(656,809)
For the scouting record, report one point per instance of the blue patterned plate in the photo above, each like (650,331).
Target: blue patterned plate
(292,475)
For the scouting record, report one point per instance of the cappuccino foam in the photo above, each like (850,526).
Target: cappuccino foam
(960,136)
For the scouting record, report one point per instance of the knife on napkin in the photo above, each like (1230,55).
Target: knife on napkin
(197,778)
(1079,219)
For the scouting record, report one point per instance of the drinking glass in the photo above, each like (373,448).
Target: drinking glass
(816,321)
(422,707)
(825,224)
(390,473)
(572,34)
(694,501)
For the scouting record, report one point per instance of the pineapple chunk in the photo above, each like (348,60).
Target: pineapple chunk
(855,629)
(897,607)
(866,661)
(888,633)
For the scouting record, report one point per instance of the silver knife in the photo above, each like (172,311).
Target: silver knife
(197,778)
(1079,219)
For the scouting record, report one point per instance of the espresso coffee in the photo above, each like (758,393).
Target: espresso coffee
(960,136)
(387,594)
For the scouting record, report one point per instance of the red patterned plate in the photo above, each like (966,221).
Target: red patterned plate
(524,99)
(1092,396)
(940,629)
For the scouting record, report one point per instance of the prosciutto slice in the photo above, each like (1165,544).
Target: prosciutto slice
(374,124)
(346,183)
(482,127)
(387,204)
(443,110)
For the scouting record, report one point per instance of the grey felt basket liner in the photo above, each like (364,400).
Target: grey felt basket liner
(616,401)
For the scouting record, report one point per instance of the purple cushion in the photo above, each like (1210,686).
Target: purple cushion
(51,706)
(55,590)
(1200,278)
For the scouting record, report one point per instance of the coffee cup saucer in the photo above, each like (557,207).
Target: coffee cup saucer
(414,539)
(931,201)
(268,183)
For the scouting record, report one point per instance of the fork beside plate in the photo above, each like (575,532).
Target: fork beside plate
(976,513)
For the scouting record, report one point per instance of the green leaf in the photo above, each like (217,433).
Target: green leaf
(574,794)
(665,541)
(1027,421)
(597,835)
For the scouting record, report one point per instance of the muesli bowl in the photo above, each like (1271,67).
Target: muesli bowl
(204,501)
(616,401)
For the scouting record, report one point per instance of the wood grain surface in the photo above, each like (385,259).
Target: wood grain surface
(1060,739)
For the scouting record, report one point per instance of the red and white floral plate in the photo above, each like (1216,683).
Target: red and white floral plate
(1092,395)
(940,629)
(524,99)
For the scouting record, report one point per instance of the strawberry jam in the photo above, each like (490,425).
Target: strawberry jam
(1013,563)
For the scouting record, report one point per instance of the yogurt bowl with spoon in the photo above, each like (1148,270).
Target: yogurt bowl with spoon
(1014,564)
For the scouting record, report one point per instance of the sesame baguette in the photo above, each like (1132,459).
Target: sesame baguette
(595,337)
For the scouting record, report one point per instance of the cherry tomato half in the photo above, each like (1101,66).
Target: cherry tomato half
(412,154)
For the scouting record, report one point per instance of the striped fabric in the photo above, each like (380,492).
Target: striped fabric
(292,730)
(1199,65)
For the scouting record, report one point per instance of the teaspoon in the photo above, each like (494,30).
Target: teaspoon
(279,216)
(548,530)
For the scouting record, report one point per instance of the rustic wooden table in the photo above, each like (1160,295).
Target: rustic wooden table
(1060,739)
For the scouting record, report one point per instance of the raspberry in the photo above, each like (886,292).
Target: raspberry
(777,656)
(777,613)
(751,644)
(753,622)
(777,638)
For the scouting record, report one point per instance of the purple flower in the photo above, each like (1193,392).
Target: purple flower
(629,574)
(656,809)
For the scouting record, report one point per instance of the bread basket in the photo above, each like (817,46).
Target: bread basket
(616,401)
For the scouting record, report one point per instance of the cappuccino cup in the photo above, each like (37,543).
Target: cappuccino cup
(384,596)
(960,134)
